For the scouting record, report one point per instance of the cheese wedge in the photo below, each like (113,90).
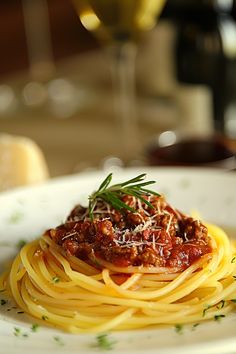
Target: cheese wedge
(21,162)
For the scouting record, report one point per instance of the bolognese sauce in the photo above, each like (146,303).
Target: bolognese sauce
(154,235)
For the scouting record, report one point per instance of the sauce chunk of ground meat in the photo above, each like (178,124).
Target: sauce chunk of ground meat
(157,236)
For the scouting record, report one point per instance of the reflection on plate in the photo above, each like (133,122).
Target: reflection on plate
(26,213)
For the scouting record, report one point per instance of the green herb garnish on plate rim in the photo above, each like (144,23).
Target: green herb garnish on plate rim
(59,340)
(35,327)
(104,342)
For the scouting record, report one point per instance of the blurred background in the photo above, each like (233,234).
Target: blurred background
(56,87)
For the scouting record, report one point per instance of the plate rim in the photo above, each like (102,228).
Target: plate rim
(207,346)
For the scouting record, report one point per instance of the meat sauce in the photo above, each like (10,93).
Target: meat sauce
(160,236)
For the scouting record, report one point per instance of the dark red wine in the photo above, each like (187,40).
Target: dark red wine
(192,152)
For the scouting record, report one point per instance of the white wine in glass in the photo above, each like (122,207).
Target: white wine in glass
(118,20)
(118,24)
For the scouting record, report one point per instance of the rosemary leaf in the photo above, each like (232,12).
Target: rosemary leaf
(148,191)
(105,183)
(113,194)
(134,180)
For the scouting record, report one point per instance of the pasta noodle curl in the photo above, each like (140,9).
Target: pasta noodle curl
(75,296)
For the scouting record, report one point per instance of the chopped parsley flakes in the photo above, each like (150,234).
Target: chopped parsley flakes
(18,333)
(21,243)
(16,217)
(194,326)
(35,327)
(104,342)
(179,328)
(205,310)
(55,279)
(59,341)
(3,302)
(218,317)
(221,304)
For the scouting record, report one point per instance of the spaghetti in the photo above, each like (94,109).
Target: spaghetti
(91,293)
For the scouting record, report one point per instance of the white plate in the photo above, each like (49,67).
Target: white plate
(27,212)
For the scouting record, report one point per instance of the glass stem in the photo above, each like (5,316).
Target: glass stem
(38,36)
(123,78)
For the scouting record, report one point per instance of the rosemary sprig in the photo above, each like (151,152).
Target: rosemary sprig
(113,194)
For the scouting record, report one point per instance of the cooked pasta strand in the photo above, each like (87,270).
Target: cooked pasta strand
(78,298)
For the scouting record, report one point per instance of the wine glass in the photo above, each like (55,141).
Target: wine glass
(118,24)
